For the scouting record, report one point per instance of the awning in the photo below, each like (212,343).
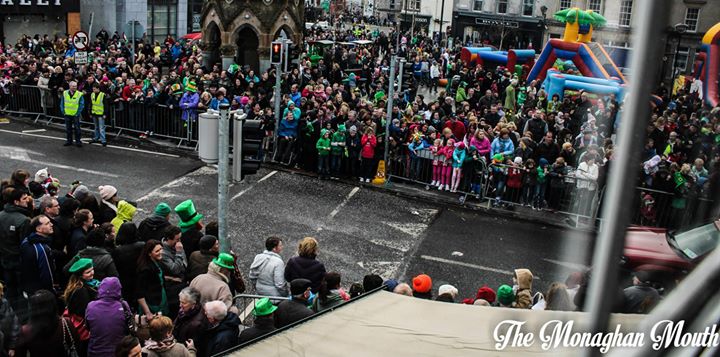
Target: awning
(386,324)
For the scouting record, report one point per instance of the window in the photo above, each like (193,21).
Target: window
(528,7)
(477,5)
(691,19)
(162,19)
(625,12)
(682,59)
(413,5)
(594,5)
(565,4)
(502,6)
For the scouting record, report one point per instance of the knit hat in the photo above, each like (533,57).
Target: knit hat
(448,289)
(225,260)
(244,100)
(107,192)
(207,242)
(264,307)
(299,286)
(188,215)
(505,295)
(80,192)
(486,293)
(518,160)
(353,129)
(422,283)
(41,175)
(191,87)
(81,265)
(461,145)
(162,209)
(391,284)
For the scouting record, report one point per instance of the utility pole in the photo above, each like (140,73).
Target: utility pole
(391,93)
(223,175)
(277,95)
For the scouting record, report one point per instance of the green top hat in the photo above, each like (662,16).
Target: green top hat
(81,265)
(264,307)
(188,215)
(225,260)
(191,87)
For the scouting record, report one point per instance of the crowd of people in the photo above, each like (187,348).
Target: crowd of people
(82,278)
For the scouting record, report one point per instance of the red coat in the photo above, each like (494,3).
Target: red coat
(514,178)
(457,127)
(368,146)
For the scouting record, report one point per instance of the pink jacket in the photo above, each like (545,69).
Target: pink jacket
(483,147)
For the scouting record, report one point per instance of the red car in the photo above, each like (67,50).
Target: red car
(660,250)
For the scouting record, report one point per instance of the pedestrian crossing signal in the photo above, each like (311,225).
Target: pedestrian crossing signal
(276,53)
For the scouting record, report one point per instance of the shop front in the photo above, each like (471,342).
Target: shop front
(415,22)
(31,17)
(518,32)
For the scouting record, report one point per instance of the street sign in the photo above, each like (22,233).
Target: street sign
(81,57)
(80,40)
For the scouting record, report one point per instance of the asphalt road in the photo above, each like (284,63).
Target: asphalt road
(360,230)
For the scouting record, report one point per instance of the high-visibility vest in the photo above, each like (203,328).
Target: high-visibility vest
(71,103)
(98,107)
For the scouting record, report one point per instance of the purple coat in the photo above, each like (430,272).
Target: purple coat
(188,104)
(105,318)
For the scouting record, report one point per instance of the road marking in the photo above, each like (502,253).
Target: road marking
(34,131)
(468,265)
(241,193)
(574,266)
(344,202)
(60,166)
(267,176)
(24,155)
(110,146)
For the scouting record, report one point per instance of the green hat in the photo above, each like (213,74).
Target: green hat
(225,260)
(505,295)
(162,209)
(341,128)
(176,88)
(81,265)
(188,215)
(323,132)
(191,87)
(264,307)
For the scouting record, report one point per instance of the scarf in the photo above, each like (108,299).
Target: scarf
(94,283)
(161,346)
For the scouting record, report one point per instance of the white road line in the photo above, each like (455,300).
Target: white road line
(469,265)
(241,193)
(110,146)
(570,265)
(60,166)
(267,176)
(34,131)
(344,202)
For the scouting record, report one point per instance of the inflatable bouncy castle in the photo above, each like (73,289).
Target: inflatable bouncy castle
(707,66)
(513,60)
(590,58)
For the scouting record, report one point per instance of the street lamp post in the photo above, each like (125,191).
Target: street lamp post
(680,29)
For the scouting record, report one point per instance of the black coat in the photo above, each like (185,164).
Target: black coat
(306,268)
(290,311)
(222,337)
(263,326)
(189,327)
(125,257)
(191,241)
(152,228)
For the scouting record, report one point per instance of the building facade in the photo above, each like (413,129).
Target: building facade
(31,17)
(501,23)
(421,16)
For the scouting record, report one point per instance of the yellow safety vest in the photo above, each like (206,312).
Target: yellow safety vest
(71,103)
(98,107)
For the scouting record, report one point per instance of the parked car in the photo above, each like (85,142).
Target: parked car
(669,254)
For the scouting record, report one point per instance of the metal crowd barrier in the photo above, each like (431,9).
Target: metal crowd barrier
(122,117)
(245,304)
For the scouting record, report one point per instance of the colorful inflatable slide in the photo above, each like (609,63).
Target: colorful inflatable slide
(707,66)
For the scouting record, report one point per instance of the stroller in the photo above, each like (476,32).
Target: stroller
(477,178)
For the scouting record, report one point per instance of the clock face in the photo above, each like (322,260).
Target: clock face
(268,2)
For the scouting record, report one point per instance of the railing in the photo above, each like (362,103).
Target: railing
(245,304)
(122,117)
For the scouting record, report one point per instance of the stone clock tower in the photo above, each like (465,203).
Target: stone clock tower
(241,30)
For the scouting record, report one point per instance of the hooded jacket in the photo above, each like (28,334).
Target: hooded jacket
(125,213)
(152,228)
(502,146)
(267,273)
(38,264)
(524,279)
(102,262)
(14,227)
(306,268)
(224,335)
(9,326)
(105,318)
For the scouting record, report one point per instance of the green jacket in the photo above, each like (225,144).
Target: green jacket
(338,143)
(323,146)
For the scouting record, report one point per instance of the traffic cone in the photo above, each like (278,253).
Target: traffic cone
(380,176)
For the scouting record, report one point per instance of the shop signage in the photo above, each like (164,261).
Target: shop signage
(39,6)
(496,22)
(81,58)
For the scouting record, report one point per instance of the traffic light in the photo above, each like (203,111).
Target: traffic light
(252,137)
(408,79)
(276,52)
